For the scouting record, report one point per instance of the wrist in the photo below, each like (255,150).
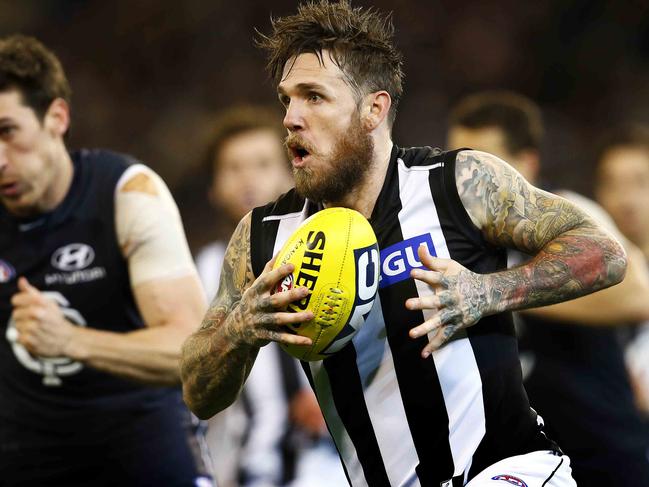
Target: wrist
(75,346)
(494,299)
(231,331)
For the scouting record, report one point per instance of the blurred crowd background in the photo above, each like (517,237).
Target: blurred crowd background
(148,76)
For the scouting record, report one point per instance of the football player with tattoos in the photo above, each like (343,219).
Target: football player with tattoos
(429,392)
(571,352)
(97,293)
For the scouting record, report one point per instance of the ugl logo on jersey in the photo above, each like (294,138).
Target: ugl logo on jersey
(51,368)
(367,281)
(399,259)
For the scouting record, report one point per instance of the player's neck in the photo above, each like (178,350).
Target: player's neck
(61,181)
(363,197)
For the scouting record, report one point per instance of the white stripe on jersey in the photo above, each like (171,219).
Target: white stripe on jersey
(287,225)
(455,363)
(383,399)
(335,425)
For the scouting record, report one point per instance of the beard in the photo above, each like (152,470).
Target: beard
(345,169)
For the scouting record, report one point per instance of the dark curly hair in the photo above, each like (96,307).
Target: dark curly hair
(359,41)
(517,116)
(627,135)
(28,66)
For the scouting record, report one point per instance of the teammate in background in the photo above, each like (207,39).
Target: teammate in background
(622,187)
(98,292)
(253,442)
(573,349)
(419,397)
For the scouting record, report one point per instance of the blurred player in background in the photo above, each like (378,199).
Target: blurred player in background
(575,374)
(266,438)
(622,187)
(97,293)
(418,397)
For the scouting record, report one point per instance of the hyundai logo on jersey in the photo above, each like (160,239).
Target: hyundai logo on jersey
(7,272)
(399,259)
(510,479)
(73,257)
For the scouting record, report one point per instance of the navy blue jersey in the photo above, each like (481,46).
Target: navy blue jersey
(580,385)
(72,255)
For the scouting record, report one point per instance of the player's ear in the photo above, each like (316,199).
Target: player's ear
(376,106)
(57,117)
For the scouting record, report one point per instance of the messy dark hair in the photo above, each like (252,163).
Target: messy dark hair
(628,135)
(235,121)
(34,71)
(359,41)
(517,116)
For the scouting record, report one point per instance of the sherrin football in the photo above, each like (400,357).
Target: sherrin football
(336,256)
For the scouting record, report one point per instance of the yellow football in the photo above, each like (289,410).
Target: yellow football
(336,256)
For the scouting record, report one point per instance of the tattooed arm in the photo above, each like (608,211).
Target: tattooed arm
(244,316)
(573,256)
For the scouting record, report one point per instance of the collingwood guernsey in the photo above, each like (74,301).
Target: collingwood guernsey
(398,419)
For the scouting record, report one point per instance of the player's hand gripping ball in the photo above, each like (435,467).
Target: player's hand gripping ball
(336,256)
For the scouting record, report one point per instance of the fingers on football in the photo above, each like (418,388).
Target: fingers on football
(289,338)
(270,277)
(282,299)
(272,320)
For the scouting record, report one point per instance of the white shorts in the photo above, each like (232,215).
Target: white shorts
(536,469)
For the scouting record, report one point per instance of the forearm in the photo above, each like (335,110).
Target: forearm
(214,368)
(577,262)
(149,355)
(620,305)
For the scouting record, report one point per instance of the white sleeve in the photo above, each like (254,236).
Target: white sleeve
(149,230)
(209,263)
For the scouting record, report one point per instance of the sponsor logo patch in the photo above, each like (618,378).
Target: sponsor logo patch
(7,272)
(73,257)
(399,259)
(510,479)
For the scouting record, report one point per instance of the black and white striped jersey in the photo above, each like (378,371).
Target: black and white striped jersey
(398,419)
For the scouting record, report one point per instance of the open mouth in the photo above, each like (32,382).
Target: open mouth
(9,189)
(298,153)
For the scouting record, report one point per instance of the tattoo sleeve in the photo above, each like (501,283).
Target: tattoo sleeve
(573,255)
(214,364)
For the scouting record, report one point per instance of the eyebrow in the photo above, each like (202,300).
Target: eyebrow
(303,87)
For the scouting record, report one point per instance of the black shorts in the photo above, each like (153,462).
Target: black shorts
(152,448)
